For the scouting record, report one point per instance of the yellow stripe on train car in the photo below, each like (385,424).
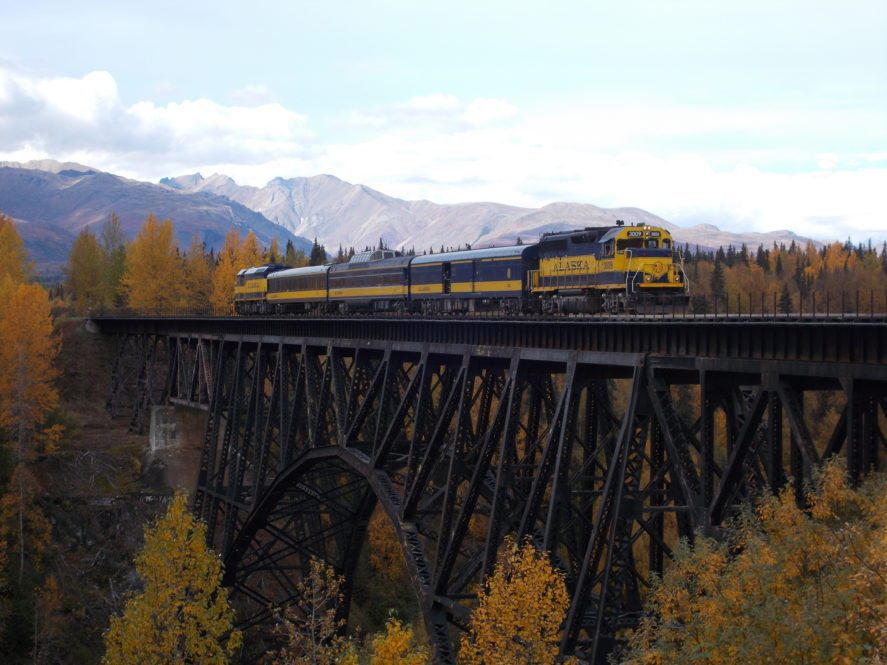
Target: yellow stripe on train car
(364,291)
(593,287)
(498,285)
(318,294)
(427,288)
(486,286)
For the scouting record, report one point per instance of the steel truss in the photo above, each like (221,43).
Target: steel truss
(603,459)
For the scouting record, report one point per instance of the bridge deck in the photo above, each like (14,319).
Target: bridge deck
(857,340)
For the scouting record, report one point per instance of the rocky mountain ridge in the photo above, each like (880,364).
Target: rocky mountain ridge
(52,202)
(342,213)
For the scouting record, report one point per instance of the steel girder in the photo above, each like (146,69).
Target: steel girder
(603,459)
(138,378)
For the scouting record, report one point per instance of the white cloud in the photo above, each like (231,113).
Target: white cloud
(482,111)
(740,168)
(60,117)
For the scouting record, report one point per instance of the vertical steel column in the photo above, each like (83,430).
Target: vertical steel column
(775,471)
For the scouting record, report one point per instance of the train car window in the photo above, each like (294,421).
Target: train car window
(608,249)
(652,243)
(508,274)
(666,242)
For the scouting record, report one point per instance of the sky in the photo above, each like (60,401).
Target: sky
(747,115)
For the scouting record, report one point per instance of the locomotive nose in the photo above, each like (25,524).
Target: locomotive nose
(655,270)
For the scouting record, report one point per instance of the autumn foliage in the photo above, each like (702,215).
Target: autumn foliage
(792,586)
(312,630)
(13,262)
(85,272)
(182,613)
(95,267)
(154,276)
(788,279)
(28,395)
(396,646)
(520,613)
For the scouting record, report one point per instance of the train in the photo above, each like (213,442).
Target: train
(609,269)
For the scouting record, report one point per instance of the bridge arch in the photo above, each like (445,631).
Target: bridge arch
(300,502)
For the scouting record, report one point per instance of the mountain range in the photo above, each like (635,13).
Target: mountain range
(341,213)
(52,201)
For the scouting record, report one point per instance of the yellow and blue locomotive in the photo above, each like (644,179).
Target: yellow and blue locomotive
(605,269)
(611,269)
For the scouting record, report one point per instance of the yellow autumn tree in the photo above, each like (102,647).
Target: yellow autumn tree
(28,349)
(85,272)
(312,630)
(386,554)
(397,646)
(226,269)
(795,586)
(25,537)
(182,613)
(250,252)
(198,275)
(520,613)
(273,254)
(13,261)
(153,274)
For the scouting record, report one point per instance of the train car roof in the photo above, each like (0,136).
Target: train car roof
(469,254)
(371,265)
(295,272)
(567,233)
(260,270)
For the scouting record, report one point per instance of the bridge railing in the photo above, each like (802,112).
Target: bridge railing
(828,305)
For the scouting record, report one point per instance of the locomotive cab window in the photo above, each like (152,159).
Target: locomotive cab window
(652,243)
(629,243)
(608,249)
(666,242)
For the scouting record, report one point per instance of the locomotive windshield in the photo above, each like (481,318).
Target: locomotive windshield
(629,243)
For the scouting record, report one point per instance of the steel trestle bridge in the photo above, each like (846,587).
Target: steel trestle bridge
(603,441)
